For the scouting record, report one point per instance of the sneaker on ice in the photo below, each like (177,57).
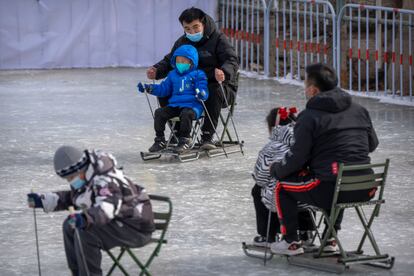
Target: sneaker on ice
(159,144)
(285,248)
(207,143)
(183,145)
(261,241)
(330,246)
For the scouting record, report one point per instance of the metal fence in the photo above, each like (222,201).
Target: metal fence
(243,21)
(370,46)
(381,63)
(305,32)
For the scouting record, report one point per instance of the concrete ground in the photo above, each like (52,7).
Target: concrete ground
(213,210)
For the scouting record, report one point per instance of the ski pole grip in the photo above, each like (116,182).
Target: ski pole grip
(31,201)
(72,218)
(71,210)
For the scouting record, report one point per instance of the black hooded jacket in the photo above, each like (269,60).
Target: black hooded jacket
(214,51)
(332,129)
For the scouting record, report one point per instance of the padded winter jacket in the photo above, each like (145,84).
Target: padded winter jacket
(214,51)
(181,88)
(107,195)
(281,139)
(332,129)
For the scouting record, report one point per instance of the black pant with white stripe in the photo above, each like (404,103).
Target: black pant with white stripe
(214,104)
(163,114)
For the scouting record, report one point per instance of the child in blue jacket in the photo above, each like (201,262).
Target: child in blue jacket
(186,86)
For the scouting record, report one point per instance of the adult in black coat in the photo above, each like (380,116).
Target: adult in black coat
(217,59)
(332,129)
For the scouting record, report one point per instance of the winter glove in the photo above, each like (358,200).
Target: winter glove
(200,94)
(144,87)
(34,200)
(77,220)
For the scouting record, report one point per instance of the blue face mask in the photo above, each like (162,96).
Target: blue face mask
(183,67)
(77,183)
(194,37)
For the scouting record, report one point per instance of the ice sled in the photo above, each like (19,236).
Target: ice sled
(366,211)
(227,138)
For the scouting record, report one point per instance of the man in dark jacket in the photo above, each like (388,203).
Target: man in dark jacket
(113,211)
(332,129)
(217,59)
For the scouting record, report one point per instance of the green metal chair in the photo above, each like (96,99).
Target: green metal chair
(162,220)
(356,183)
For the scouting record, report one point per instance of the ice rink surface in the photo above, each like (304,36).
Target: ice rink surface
(213,210)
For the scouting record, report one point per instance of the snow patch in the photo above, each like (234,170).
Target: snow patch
(405,100)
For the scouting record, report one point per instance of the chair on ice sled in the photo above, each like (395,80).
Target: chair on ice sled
(168,151)
(264,254)
(226,141)
(184,157)
(347,184)
(162,220)
(194,153)
(230,143)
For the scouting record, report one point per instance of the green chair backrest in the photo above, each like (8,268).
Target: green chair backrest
(361,182)
(162,219)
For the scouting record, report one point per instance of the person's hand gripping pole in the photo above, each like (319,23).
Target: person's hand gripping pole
(145,88)
(73,217)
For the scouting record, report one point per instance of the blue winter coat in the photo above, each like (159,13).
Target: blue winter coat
(181,87)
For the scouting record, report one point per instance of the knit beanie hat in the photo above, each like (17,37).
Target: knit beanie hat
(69,160)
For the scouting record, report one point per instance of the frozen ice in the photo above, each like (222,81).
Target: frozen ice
(213,210)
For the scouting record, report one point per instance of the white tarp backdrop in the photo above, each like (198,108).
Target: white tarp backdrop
(90,33)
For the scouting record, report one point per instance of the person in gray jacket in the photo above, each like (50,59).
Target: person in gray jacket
(111,210)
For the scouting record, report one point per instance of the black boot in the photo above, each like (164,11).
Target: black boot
(183,145)
(159,144)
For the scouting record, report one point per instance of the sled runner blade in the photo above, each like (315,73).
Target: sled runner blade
(328,264)
(256,251)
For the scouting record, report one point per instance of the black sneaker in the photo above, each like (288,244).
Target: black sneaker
(261,241)
(207,144)
(159,144)
(183,145)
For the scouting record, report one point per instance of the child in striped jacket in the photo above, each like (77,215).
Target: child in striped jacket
(280,122)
